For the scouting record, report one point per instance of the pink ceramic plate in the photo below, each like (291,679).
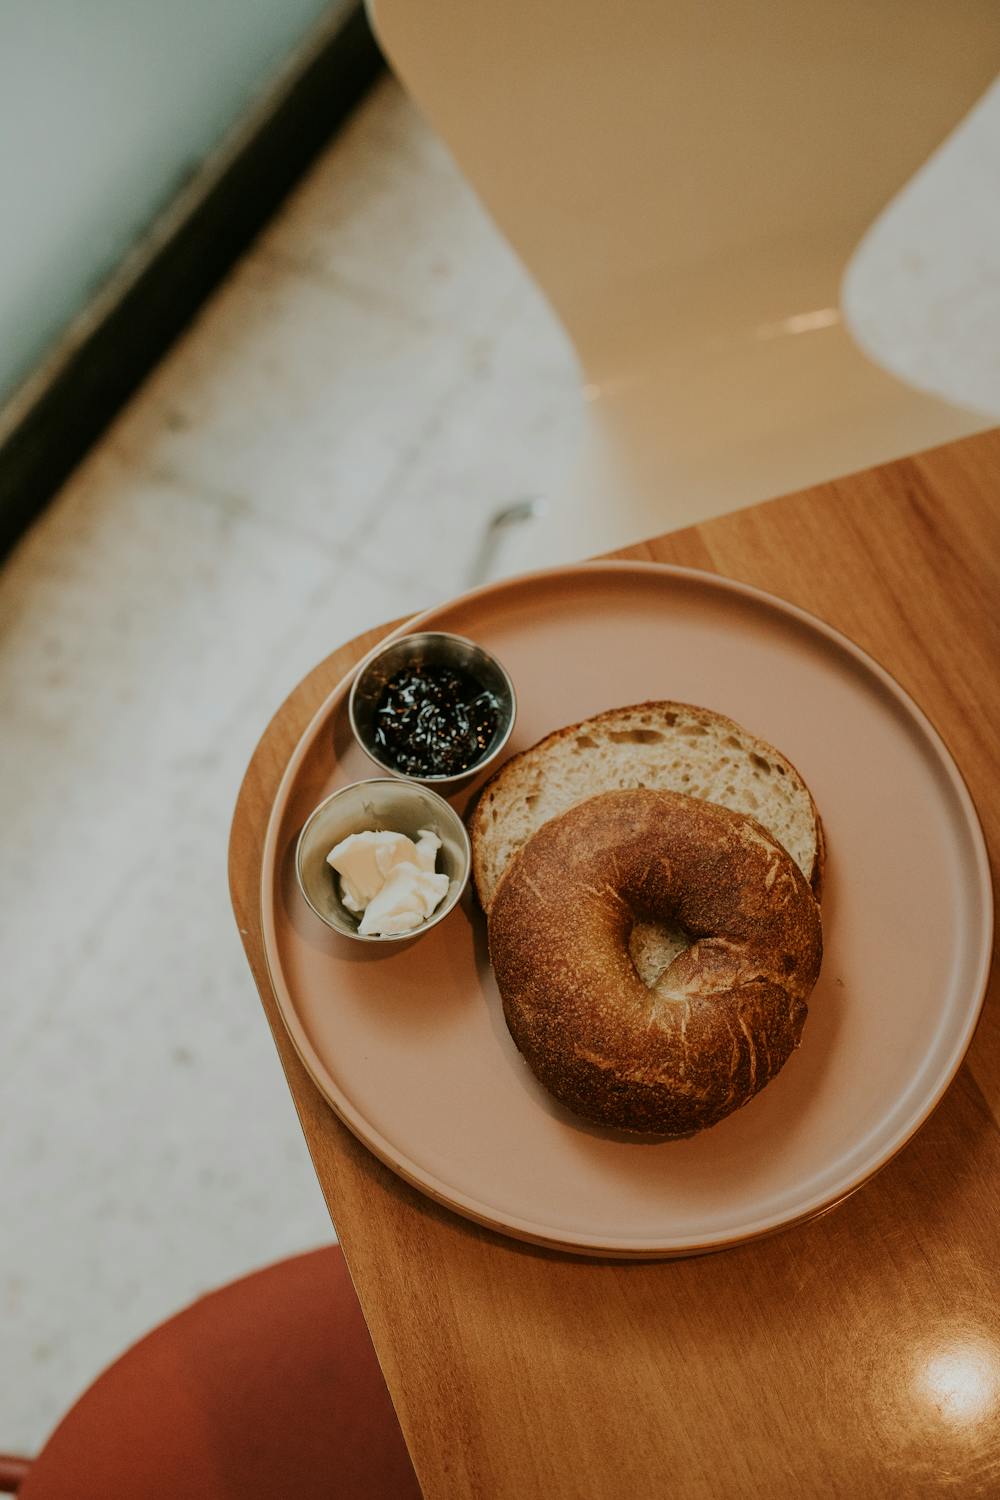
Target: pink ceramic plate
(410,1047)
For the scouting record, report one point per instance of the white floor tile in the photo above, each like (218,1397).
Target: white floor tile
(389,214)
(281,396)
(150,1146)
(922,294)
(511,432)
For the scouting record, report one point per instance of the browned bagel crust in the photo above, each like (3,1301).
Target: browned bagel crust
(726,1014)
(477,815)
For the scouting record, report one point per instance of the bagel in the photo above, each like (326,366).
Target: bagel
(723,1017)
(673,746)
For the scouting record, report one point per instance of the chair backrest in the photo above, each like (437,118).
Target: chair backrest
(618,145)
(686,180)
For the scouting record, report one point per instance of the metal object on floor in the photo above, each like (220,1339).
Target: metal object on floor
(510,517)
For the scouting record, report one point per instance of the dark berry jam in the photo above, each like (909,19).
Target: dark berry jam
(433,721)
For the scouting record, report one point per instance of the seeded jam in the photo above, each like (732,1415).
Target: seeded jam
(434,721)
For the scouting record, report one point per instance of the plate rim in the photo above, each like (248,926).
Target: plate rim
(608,1246)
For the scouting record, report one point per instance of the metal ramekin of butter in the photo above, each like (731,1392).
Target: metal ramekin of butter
(387,805)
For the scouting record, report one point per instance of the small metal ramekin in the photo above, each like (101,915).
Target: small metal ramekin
(382,803)
(430,648)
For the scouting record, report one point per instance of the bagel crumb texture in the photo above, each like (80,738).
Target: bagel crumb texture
(666,746)
(724,1015)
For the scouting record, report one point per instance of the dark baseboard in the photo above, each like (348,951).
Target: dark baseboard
(60,412)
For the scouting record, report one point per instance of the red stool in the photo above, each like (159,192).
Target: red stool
(269,1388)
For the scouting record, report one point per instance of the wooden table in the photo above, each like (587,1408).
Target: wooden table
(855,1356)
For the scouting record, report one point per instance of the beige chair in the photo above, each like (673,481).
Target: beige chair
(686,181)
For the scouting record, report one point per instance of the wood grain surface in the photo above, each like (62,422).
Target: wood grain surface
(855,1356)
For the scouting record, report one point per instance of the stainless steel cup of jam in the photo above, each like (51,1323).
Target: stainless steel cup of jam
(432,707)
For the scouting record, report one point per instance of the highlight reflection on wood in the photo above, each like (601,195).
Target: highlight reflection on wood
(858,1355)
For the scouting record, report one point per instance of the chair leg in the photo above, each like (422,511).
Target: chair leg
(13,1473)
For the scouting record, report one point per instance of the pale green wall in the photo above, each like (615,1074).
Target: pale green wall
(106,106)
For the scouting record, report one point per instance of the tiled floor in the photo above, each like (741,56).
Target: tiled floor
(318,454)
(308,462)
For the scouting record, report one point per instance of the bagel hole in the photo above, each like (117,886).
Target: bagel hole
(653,946)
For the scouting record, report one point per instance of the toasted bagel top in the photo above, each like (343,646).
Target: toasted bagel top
(723,1017)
